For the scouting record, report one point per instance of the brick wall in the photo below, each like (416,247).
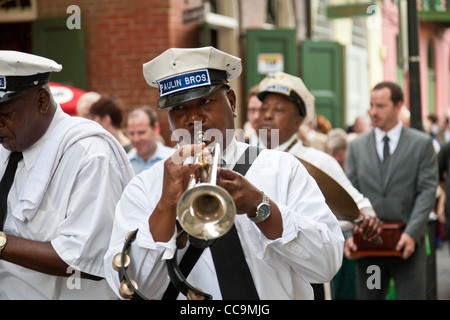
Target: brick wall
(122,35)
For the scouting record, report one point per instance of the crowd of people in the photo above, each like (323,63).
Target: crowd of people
(359,152)
(139,133)
(76,189)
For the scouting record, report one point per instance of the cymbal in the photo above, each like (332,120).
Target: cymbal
(337,198)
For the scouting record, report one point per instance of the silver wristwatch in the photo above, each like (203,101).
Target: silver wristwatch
(262,211)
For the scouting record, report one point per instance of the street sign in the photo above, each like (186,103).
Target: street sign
(270,62)
(350,10)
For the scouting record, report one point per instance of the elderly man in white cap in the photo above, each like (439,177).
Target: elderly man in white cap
(61,179)
(286,104)
(284,235)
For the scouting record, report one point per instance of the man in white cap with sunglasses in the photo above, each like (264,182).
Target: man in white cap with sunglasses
(61,178)
(286,235)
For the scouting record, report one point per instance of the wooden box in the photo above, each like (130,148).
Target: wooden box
(390,235)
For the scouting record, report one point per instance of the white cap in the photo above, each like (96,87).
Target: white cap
(292,87)
(20,71)
(184,74)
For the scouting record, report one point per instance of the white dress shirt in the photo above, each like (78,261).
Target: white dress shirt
(309,251)
(162,152)
(393,135)
(75,215)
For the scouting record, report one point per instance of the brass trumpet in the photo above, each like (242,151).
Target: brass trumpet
(205,210)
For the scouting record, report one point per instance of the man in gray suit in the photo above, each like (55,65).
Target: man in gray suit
(400,178)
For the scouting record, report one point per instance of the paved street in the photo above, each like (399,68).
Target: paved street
(443,271)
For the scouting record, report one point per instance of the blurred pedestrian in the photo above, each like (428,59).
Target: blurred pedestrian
(143,129)
(405,116)
(443,134)
(62,178)
(253,108)
(396,168)
(322,124)
(431,124)
(361,124)
(337,145)
(85,102)
(444,180)
(311,136)
(108,113)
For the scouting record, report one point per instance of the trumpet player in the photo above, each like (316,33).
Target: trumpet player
(284,236)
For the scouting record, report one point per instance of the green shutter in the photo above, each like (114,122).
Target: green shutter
(261,44)
(322,72)
(52,39)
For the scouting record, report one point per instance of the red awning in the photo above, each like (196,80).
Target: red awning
(66,96)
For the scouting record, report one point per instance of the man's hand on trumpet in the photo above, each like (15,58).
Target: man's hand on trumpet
(246,198)
(176,180)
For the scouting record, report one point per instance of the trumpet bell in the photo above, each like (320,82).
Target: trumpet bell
(206,211)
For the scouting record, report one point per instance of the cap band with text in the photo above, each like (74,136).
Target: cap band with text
(280,89)
(185,81)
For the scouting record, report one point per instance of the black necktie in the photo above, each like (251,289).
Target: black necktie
(6,183)
(234,276)
(386,152)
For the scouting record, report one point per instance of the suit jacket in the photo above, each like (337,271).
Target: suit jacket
(404,190)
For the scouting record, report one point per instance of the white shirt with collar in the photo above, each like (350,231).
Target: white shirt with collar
(75,215)
(393,135)
(162,152)
(310,249)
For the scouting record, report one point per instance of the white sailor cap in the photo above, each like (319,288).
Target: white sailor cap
(20,71)
(185,74)
(292,87)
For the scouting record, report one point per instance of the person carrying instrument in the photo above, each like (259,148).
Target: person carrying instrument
(402,188)
(287,103)
(287,237)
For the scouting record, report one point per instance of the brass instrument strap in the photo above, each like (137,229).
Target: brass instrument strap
(233,273)
(245,287)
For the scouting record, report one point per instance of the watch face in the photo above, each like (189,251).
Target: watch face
(264,211)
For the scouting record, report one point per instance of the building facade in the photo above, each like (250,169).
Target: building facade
(341,48)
